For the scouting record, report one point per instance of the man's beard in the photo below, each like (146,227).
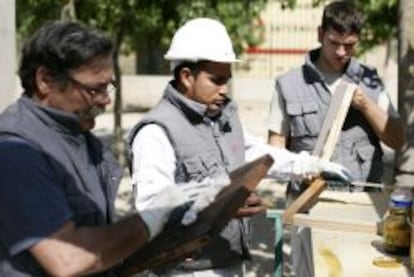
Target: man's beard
(92,113)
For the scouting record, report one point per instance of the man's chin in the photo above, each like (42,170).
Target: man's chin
(87,124)
(340,64)
(213,111)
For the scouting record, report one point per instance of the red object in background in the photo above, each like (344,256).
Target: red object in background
(276,51)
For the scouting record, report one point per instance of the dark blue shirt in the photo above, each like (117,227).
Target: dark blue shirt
(32,206)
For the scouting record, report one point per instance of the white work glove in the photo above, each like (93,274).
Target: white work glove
(160,207)
(202,193)
(304,166)
(289,166)
(164,202)
(307,166)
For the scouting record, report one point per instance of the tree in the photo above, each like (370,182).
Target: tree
(135,23)
(405,157)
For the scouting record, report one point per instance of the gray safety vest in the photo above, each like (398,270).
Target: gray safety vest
(92,203)
(202,150)
(307,100)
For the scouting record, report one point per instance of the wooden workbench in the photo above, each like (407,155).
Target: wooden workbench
(352,252)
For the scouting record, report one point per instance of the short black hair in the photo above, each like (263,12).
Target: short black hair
(193,66)
(343,17)
(60,46)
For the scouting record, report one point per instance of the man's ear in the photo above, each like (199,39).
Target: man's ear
(44,81)
(320,34)
(186,77)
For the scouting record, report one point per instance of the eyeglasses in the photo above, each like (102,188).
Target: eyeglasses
(94,92)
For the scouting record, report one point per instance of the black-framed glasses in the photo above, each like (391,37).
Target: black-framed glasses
(105,89)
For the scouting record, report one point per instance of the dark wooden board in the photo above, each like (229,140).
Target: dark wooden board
(177,242)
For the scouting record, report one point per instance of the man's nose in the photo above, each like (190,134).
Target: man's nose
(341,51)
(224,88)
(104,99)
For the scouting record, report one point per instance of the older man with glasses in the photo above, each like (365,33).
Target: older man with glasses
(58,183)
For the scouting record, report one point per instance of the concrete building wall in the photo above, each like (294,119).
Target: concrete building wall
(7,53)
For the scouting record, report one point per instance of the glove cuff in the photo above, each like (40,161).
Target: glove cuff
(153,224)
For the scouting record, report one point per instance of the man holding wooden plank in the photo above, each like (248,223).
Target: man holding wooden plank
(306,98)
(302,97)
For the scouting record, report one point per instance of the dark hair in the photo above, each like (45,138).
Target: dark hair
(343,17)
(195,67)
(60,46)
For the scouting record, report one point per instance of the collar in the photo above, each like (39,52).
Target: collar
(56,119)
(353,71)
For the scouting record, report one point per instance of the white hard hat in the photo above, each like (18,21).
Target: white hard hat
(201,39)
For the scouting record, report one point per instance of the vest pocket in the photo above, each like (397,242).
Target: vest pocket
(365,155)
(303,119)
(199,167)
(194,169)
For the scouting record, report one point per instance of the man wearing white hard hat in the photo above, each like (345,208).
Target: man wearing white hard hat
(194,134)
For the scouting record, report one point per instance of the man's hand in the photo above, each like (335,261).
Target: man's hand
(359,99)
(160,207)
(164,202)
(335,172)
(202,193)
(252,206)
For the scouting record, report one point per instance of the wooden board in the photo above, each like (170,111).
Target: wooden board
(334,120)
(335,224)
(178,242)
(348,252)
(325,145)
(305,201)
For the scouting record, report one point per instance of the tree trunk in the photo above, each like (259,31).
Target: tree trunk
(68,11)
(149,58)
(118,141)
(405,157)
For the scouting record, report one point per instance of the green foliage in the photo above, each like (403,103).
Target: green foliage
(156,21)
(145,20)
(33,13)
(241,18)
(381,20)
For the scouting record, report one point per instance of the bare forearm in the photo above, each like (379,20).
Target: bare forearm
(389,130)
(115,242)
(77,251)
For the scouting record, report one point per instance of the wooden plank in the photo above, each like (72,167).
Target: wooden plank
(177,242)
(368,184)
(305,201)
(324,223)
(347,91)
(340,102)
(325,145)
